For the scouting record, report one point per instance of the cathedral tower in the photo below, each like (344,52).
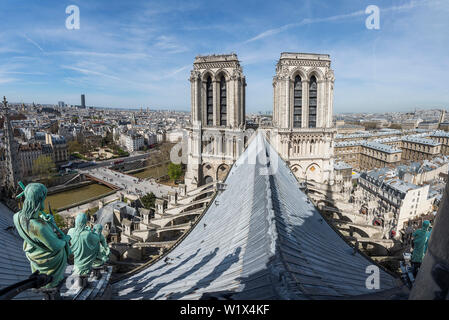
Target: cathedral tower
(302,114)
(217,136)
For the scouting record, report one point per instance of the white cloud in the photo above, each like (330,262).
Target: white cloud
(33,42)
(170,44)
(270,32)
(91,72)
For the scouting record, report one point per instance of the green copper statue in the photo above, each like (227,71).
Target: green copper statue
(85,245)
(103,253)
(46,247)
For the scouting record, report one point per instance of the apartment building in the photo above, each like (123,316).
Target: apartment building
(405,200)
(418,148)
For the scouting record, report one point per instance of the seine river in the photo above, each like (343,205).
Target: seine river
(65,198)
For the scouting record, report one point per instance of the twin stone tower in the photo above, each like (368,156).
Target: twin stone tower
(301,131)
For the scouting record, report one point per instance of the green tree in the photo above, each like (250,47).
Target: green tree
(91,211)
(148,200)
(107,140)
(174,171)
(122,153)
(74,147)
(43,166)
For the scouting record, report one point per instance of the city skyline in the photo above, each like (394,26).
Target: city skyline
(305,203)
(140,55)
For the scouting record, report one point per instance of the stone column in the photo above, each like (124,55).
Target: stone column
(198,99)
(330,101)
(275,107)
(220,146)
(321,101)
(287,103)
(195,92)
(277,102)
(204,103)
(231,102)
(216,102)
(290,101)
(243,103)
(327,112)
(305,103)
(217,142)
(237,105)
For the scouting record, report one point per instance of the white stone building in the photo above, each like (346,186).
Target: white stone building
(403,199)
(132,142)
(174,136)
(59,146)
(150,138)
(29,153)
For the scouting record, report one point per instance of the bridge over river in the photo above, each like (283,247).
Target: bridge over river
(130,184)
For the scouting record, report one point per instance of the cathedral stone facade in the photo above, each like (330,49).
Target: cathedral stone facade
(218,134)
(303,130)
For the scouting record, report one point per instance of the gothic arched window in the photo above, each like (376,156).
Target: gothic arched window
(223,101)
(297,103)
(312,102)
(209,101)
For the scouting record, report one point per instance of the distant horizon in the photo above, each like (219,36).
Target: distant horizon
(251,112)
(137,53)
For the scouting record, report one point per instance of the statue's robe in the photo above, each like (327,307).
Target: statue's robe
(45,251)
(85,246)
(103,253)
(421,236)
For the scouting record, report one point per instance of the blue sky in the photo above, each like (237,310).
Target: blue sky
(140,53)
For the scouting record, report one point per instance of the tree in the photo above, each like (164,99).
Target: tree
(107,140)
(174,171)
(74,147)
(43,166)
(91,211)
(122,153)
(148,200)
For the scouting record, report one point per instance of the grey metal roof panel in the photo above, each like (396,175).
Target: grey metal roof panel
(418,139)
(261,239)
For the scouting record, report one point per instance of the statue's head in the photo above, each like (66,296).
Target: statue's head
(98,228)
(426,225)
(80,222)
(35,194)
